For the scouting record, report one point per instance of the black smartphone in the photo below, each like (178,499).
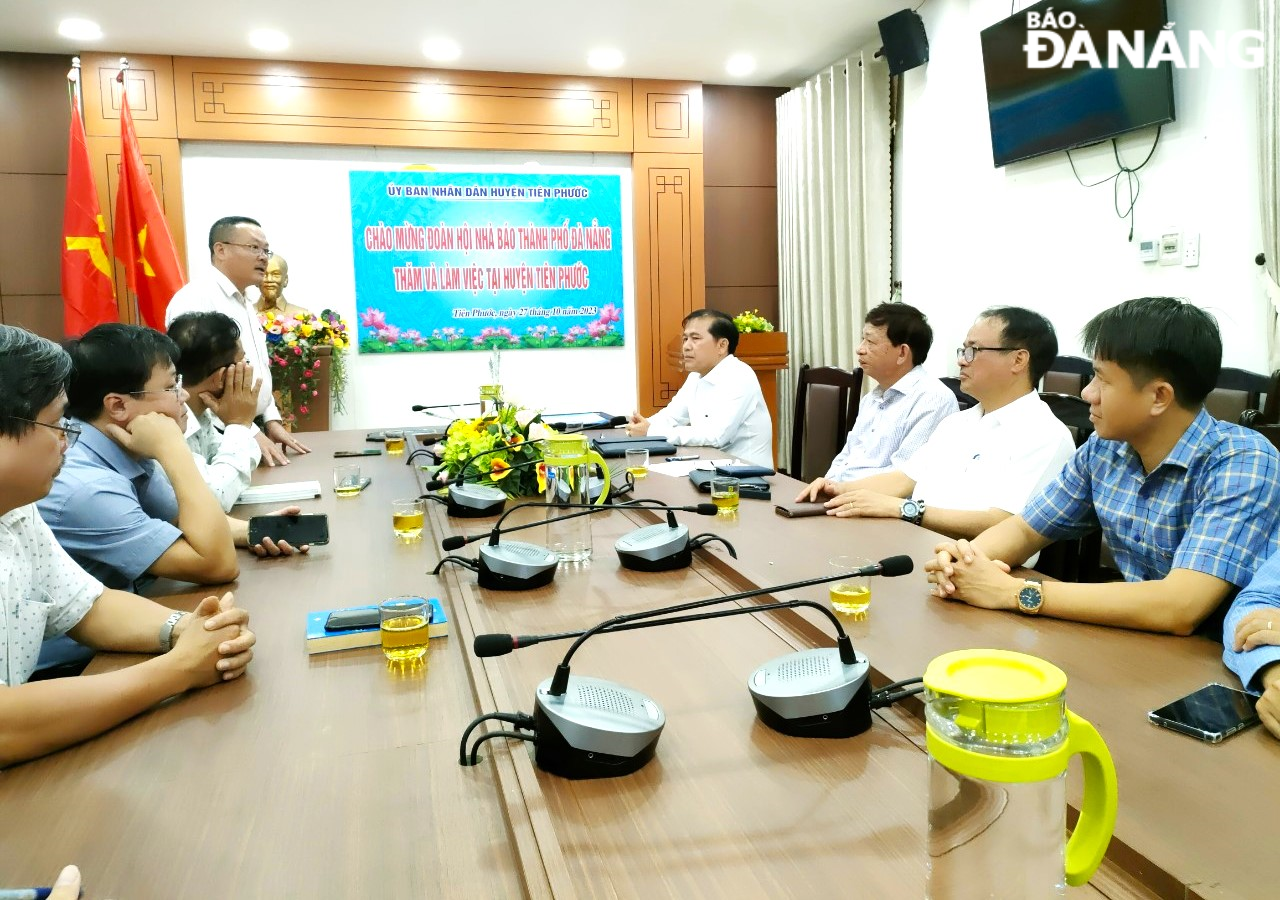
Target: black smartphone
(297,530)
(1212,714)
(744,471)
(356,619)
(371,451)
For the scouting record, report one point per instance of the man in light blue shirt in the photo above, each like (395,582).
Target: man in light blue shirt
(1251,637)
(897,417)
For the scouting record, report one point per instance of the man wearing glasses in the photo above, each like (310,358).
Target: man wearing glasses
(130,502)
(980,465)
(238,254)
(44,594)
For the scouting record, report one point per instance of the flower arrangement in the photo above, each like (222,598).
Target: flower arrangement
(749,321)
(519,431)
(380,336)
(291,347)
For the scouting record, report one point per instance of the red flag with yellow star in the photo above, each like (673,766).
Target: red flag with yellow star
(143,241)
(88,291)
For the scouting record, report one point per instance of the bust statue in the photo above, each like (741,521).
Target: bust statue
(274,281)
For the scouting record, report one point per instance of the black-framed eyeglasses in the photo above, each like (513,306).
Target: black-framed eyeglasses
(968,353)
(255,249)
(176,390)
(70,431)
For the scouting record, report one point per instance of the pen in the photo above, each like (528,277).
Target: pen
(669,459)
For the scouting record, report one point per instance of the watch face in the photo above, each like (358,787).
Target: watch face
(910,509)
(1029,598)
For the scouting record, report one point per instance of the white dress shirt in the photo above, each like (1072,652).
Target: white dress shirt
(722,409)
(214,292)
(226,460)
(893,423)
(43,593)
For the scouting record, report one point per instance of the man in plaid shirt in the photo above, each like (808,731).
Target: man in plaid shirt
(1188,504)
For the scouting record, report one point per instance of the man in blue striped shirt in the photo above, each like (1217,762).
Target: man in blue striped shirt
(1188,504)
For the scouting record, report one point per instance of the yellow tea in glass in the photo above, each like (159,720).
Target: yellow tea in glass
(850,596)
(346,480)
(408,518)
(406,626)
(637,463)
(394,441)
(724,494)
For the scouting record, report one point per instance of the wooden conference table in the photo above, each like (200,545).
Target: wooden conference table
(331,776)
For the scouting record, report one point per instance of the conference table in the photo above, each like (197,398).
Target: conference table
(334,775)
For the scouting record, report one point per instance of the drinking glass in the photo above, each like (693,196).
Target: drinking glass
(407,519)
(724,494)
(850,596)
(394,442)
(638,463)
(346,480)
(405,628)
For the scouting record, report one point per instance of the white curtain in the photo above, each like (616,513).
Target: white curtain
(1269,159)
(834,185)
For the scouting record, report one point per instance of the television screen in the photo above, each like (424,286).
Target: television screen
(1041,110)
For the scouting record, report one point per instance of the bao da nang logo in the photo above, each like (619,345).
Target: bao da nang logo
(1048,47)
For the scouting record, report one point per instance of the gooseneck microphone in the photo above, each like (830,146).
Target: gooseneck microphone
(591,728)
(468,500)
(418,407)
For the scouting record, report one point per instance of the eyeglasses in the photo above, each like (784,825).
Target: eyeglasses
(252,248)
(69,431)
(176,390)
(968,353)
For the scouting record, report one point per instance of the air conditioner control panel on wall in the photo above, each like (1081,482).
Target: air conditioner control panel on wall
(1171,248)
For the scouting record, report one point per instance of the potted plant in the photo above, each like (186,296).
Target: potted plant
(308,366)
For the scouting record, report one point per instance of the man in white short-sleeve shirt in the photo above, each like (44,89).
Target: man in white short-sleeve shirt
(981,465)
(44,594)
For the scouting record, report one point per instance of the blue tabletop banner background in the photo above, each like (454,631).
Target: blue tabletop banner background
(473,260)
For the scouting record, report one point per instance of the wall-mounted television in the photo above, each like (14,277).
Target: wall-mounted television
(1035,111)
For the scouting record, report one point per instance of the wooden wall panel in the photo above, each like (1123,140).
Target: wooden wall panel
(150,83)
(313,103)
(670,272)
(668,117)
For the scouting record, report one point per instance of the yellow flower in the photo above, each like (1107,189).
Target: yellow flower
(498,470)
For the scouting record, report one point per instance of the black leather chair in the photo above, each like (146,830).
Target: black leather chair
(826,408)
(1071,411)
(1067,375)
(1237,392)
(962,398)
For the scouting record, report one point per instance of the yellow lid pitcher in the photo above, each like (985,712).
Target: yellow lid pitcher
(1000,738)
(569,460)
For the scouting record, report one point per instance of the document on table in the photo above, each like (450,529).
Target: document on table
(682,468)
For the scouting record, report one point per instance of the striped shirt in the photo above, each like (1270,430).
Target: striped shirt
(1211,506)
(892,424)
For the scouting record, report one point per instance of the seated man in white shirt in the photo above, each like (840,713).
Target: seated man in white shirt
(720,404)
(219,383)
(43,594)
(981,465)
(906,406)
(238,257)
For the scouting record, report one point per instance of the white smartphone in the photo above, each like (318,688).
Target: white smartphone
(1212,714)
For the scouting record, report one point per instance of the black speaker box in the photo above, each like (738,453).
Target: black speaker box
(905,44)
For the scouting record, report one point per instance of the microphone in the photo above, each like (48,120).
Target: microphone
(471,500)
(591,728)
(418,407)
(613,422)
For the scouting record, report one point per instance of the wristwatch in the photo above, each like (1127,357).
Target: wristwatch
(912,511)
(166,631)
(1030,597)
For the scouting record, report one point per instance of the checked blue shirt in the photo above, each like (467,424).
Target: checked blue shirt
(1212,506)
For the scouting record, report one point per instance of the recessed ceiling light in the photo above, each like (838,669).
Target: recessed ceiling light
(441,49)
(605,58)
(79,30)
(740,65)
(268,40)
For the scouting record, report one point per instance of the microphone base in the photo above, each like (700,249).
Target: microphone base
(813,694)
(655,548)
(475,501)
(595,729)
(516,566)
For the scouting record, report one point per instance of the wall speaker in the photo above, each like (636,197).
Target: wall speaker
(905,44)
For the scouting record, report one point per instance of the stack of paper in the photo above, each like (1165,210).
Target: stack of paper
(280,493)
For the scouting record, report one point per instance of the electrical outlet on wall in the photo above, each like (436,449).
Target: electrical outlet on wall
(1191,250)
(1170,248)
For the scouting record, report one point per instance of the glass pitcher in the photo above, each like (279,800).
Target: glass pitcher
(1000,737)
(569,459)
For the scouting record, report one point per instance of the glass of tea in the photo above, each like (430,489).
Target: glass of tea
(850,596)
(724,494)
(346,480)
(638,463)
(407,519)
(394,441)
(405,628)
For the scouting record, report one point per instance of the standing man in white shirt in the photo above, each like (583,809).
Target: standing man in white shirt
(906,406)
(238,254)
(720,404)
(982,465)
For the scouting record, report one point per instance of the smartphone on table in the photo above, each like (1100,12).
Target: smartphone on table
(356,619)
(342,454)
(297,530)
(1212,714)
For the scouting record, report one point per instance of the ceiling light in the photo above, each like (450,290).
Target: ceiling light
(79,30)
(740,65)
(441,49)
(268,40)
(605,58)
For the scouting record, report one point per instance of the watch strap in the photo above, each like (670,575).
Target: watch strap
(166,631)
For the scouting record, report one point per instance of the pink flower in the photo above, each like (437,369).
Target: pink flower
(596,329)
(303,386)
(297,351)
(315,393)
(389,333)
(304,409)
(316,364)
(609,313)
(373,318)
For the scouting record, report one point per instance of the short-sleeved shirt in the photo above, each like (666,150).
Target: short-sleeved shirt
(892,424)
(114,514)
(1211,506)
(42,591)
(977,460)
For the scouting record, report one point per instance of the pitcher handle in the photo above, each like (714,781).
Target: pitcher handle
(593,456)
(1097,819)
